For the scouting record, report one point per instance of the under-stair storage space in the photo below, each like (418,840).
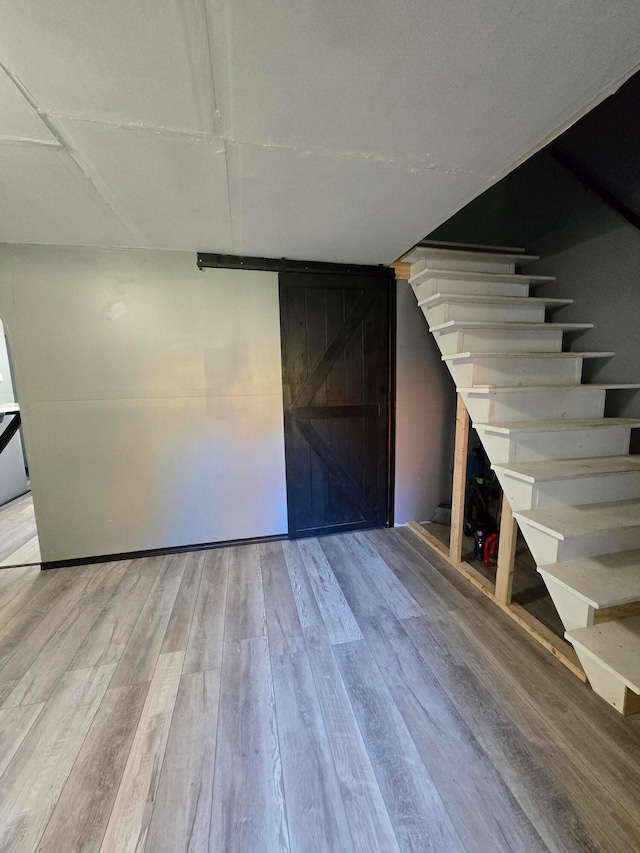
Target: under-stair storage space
(565,468)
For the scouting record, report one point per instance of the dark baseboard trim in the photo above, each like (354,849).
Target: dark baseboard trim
(158,552)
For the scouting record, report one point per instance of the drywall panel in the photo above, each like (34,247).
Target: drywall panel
(18,119)
(425,416)
(595,258)
(173,188)
(447,83)
(142,63)
(312,206)
(154,473)
(45,198)
(140,324)
(151,397)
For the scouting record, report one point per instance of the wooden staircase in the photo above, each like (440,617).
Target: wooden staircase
(564,468)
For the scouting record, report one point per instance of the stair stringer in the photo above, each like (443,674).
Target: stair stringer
(534,403)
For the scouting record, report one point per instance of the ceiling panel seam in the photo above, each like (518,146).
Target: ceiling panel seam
(411,164)
(93,181)
(204,136)
(57,134)
(232,220)
(206,25)
(25,95)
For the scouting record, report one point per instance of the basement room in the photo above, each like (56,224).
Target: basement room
(319,427)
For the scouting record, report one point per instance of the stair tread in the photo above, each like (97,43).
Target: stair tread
(430,273)
(450,254)
(568,469)
(458,356)
(488,389)
(567,521)
(616,645)
(504,324)
(518,301)
(511,427)
(607,580)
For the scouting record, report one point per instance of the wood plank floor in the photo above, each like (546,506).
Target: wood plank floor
(19,544)
(336,694)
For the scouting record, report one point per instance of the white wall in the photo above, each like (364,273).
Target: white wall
(425,416)
(151,397)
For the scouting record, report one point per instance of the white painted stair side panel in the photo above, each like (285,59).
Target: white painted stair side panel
(491,405)
(569,492)
(556,534)
(454,339)
(488,266)
(504,371)
(571,482)
(606,684)
(601,581)
(451,258)
(615,646)
(426,287)
(572,610)
(443,311)
(420,273)
(555,442)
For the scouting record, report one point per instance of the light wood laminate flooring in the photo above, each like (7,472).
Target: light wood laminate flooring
(340,694)
(19,544)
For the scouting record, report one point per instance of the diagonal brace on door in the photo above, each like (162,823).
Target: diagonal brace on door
(320,372)
(342,478)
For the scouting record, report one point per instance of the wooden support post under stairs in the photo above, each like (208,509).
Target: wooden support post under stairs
(506,554)
(459,480)
(500,592)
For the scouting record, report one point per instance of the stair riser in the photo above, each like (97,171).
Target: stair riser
(483,312)
(517,371)
(432,286)
(464,266)
(547,549)
(560,444)
(578,492)
(498,340)
(570,403)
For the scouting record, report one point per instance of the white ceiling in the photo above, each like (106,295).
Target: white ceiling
(341,130)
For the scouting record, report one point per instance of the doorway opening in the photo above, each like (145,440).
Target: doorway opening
(19,545)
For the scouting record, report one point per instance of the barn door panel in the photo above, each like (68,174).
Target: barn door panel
(336,383)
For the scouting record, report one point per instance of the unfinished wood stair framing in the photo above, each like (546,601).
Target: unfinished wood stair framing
(564,468)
